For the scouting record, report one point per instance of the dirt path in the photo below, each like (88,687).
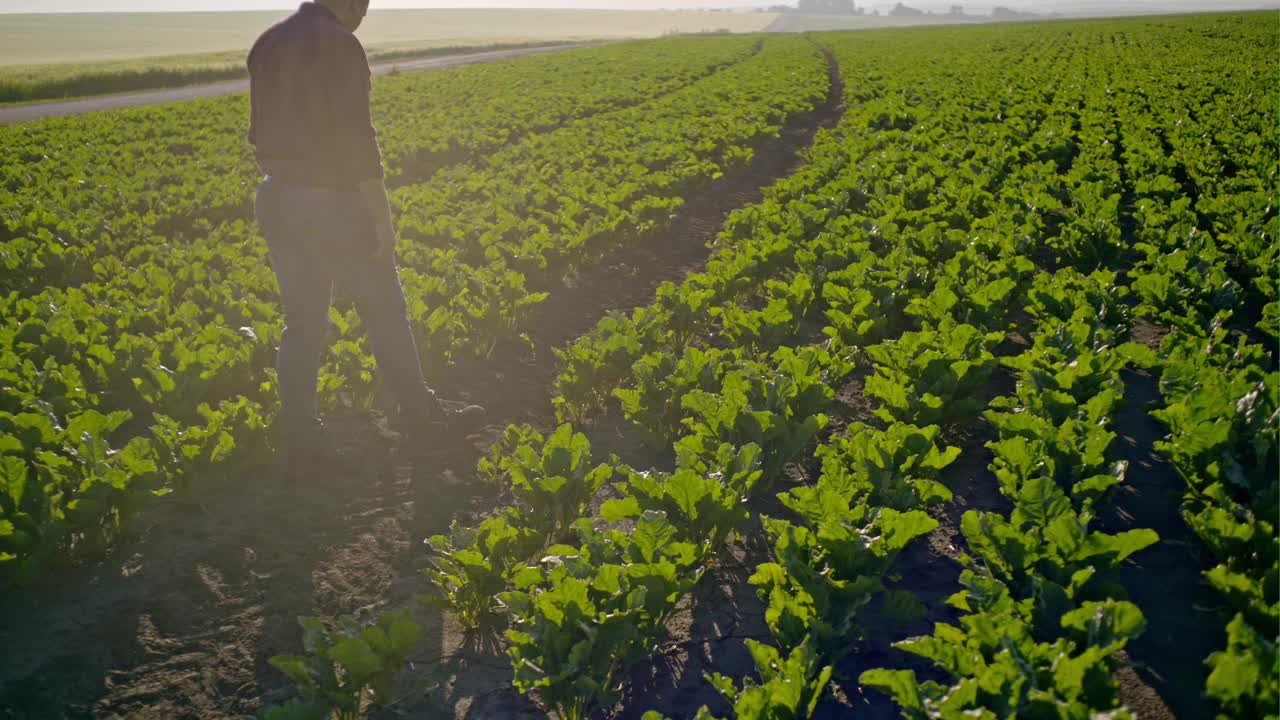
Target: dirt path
(1165,580)
(180,622)
(24,113)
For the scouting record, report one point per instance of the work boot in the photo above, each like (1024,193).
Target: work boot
(302,452)
(444,423)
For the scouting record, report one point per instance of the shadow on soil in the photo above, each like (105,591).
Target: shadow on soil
(1165,580)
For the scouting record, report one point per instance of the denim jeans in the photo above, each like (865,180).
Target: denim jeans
(318,238)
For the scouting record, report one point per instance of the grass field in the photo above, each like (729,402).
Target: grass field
(27,84)
(90,37)
(65,55)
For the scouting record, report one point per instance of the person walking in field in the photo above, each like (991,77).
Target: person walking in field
(323,209)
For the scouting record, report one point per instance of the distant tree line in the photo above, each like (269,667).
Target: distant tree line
(848,7)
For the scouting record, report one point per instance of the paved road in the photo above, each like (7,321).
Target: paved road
(153,97)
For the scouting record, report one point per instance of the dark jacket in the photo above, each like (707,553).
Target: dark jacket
(309,85)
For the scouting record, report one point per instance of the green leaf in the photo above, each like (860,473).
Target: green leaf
(13,479)
(653,532)
(296,667)
(768,574)
(315,637)
(1244,672)
(608,579)
(900,685)
(403,633)
(1122,545)
(687,489)
(901,528)
(616,509)
(1106,623)
(1094,486)
(357,659)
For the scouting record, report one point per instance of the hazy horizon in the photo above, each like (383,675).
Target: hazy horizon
(1066,7)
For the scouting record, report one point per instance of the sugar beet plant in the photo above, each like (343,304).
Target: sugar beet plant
(135,282)
(1042,614)
(1207,244)
(552,481)
(348,672)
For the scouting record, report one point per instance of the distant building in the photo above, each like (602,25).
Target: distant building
(828,7)
(901,10)
(1003,13)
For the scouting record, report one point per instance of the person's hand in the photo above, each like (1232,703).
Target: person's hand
(374,196)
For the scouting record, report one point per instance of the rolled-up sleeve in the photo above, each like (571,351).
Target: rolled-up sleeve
(357,143)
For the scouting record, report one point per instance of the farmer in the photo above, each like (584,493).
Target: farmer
(324,212)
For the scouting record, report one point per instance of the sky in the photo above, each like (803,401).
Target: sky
(1091,7)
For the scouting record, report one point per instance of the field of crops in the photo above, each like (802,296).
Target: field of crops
(923,372)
